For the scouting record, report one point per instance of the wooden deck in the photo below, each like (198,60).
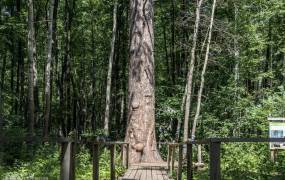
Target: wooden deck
(147,171)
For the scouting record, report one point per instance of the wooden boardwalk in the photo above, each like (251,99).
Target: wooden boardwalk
(147,171)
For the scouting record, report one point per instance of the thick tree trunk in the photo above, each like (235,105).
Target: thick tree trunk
(48,69)
(199,98)
(190,72)
(32,67)
(141,118)
(109,75)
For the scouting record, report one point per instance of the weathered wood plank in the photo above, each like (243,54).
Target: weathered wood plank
(143,176)
(127,174)
(138,174)
(133,173)
(159,174)
(154,174)
(148,174)
(147,171)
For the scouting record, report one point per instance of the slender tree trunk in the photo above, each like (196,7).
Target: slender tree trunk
(141,119)
(190,72)
(283,72)
(173,55)
(93,90)
(3,70)
(54,64)
(181,109)
(109,76)
(236,131)
(236,51)
(48,69)
(165,44)
(13,64)
(32,67)
(20,68)
(66,71)
(203,73)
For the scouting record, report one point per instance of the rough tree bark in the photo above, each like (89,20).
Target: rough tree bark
(109,75)
(48,69)
(32,67)
(141,119)
(190,72)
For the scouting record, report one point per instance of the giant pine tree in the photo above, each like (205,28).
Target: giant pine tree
(141,120)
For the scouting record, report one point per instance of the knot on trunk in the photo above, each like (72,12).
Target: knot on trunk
(138,147)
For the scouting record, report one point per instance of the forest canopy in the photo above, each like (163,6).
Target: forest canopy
(104,69)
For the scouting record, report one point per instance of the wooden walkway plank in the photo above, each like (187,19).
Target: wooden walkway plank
(133,173)
(153,174)
(143,176)
(146,171)
(148,174)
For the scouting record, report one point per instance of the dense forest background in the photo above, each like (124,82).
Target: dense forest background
(244,81)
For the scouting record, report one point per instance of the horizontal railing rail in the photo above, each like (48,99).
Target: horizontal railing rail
(214,153)
(68,145)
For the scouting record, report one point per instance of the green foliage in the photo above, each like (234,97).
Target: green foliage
(45,163)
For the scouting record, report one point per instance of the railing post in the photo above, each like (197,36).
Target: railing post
(215,161)
(168,156)
(189,161)
(172,158)
(112,151)
(180,159)
(95,161)
(127,156)
(122,154)
(67,169)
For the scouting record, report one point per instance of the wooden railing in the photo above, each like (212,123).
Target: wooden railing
(68,150)
(67,171)
(214,153)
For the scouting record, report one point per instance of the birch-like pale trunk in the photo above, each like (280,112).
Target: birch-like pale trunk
(236,52)
(48,68)
(190,72)
(202,82)
(32,67)
(109,75)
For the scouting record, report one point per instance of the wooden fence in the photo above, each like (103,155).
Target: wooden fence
(67,171)
(68,150)
(214,153)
